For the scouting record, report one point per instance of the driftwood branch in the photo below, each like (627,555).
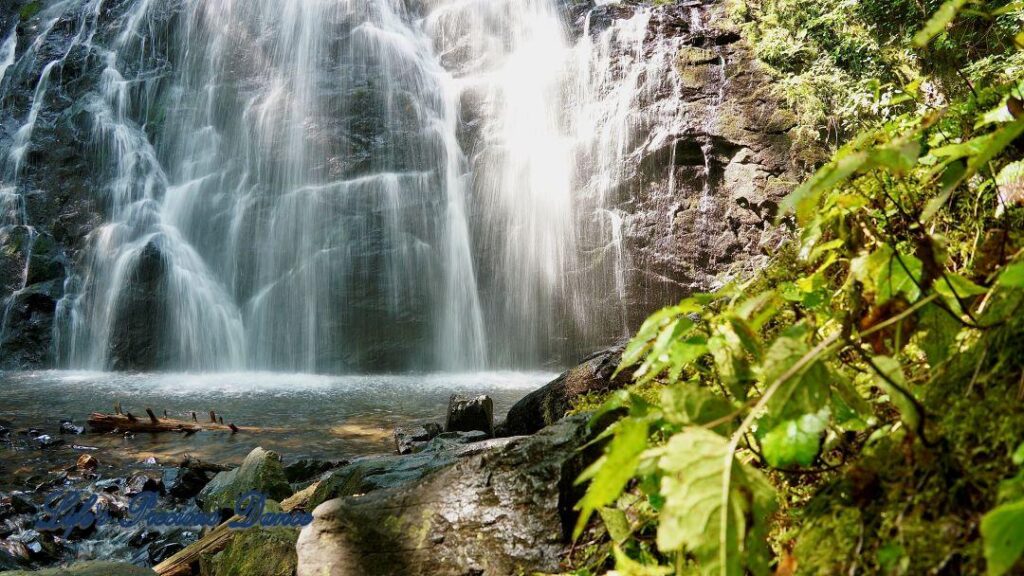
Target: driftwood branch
(99,422)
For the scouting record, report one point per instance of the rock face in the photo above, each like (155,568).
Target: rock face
(709,155)
(501,507)
(261,470)
(548,404)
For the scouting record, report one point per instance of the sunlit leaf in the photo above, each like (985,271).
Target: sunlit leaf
(1002,531)
(626,566)
(795,441)
(938,22)
(731,362)
(805,198)
(899,158)
(889,274)
(616,522)
(1012,276)
(694,465)
(611,472)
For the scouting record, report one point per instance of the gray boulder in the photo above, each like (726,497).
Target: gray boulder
(497,507)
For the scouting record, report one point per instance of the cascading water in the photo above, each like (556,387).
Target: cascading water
(329,185)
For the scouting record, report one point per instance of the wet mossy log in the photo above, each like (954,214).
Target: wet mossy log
(127,422)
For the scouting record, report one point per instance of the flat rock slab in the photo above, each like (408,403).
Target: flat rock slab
(503,509)
(88,569)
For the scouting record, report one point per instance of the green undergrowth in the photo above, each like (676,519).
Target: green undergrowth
(857,406)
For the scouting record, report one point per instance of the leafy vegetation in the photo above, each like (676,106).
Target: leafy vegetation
(857,404)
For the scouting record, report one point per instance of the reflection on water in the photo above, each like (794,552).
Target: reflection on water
(301,415)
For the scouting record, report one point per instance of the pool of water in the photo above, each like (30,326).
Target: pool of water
(298,415)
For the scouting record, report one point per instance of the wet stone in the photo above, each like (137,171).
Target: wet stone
(87,462)
(414,439)
(468,414)
(68,427)
(140,483)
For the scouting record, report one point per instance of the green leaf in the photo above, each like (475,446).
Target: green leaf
(899,158)
(804,393)
(1012,276)
(617,524)
(893,372)
(694,464)
(938,22)
(981,150)
(1002,531)
(950,179)
(687,405)
(611,472)
(731,360)
(795,441)
(937,332)
(889,275)
(1018,455)
(847,397)
(804,200)
(626,566)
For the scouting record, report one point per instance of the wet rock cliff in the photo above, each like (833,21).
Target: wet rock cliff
(683,168)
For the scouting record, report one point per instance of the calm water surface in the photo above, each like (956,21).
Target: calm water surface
(300,415)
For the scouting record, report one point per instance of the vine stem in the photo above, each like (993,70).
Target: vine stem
(822,348)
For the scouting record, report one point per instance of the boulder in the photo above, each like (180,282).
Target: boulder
(503,506)
(190,477)
(88,569)
(415,438)
(308,469)
(468,414)
(550,403)
(261,470)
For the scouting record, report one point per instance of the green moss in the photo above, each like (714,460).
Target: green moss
(255,552)
(260,471)
(28,11)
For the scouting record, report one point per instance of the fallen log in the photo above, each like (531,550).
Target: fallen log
(186,562)
(100,422)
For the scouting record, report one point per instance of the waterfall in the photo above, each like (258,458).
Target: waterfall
(335,185)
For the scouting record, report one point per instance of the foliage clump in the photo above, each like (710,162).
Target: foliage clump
(856,406)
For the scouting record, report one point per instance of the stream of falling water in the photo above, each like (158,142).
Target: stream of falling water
(325,185)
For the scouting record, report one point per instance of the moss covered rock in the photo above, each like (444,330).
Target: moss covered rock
(255,552)
(261,471)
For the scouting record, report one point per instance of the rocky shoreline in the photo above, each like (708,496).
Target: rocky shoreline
(462,497)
